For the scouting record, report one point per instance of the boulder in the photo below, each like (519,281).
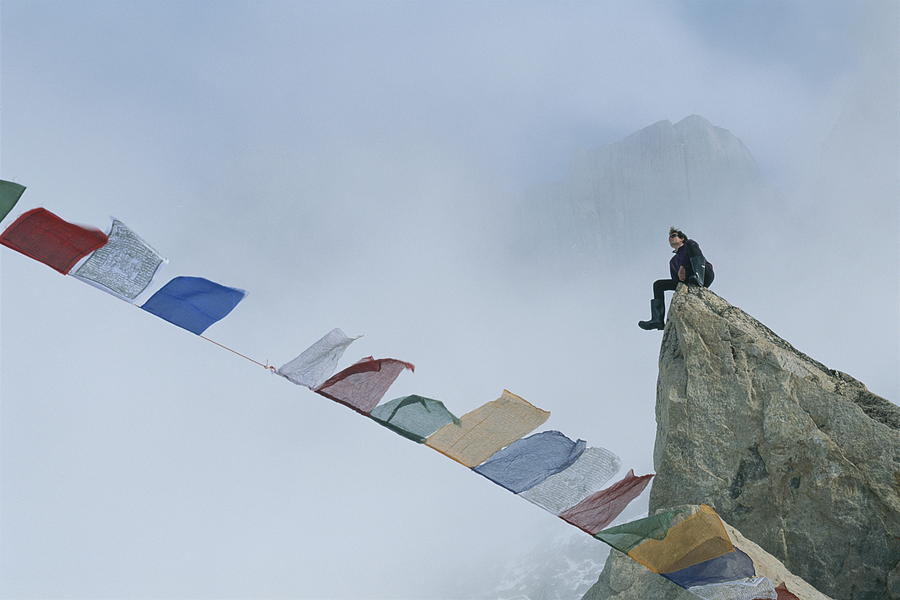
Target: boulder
(802,459)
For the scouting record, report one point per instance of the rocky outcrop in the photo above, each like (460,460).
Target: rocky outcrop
(802,459)
(624,579)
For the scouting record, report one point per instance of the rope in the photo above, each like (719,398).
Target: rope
(256,362)
(265,366)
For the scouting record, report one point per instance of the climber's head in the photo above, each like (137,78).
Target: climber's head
(676,237)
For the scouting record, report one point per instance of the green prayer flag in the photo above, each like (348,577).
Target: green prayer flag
(628,535)
(9,194)
(414,417)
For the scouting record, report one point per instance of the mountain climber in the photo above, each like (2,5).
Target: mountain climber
(688,265)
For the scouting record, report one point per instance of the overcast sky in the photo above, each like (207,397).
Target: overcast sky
(320,155)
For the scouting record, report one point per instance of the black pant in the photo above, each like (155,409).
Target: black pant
(662,285)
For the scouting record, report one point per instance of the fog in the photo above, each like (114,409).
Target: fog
(354,165)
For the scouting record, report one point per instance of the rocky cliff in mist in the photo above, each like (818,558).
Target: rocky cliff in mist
(616,200)
(802,459)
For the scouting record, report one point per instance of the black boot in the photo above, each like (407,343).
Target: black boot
(657,316)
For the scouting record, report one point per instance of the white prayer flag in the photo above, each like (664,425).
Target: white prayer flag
(567,488)
(124,267)
(751,588)
(318,362)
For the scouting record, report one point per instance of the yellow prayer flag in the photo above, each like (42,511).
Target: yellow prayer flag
(487,429)
(698,538)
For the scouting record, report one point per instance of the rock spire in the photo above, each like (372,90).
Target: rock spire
(802,459)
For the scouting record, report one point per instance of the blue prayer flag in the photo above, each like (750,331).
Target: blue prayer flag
(728,567)
(193,303)
(529,461)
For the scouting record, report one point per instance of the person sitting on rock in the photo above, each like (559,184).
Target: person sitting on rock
(688,265)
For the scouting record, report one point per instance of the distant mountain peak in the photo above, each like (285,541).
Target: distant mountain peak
(613,200)
(692,122)
(695,121)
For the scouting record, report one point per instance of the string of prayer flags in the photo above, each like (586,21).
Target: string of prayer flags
(124,267)
(698,538)
(548,469)
(529,461)
(41,235)
(318,362)
(363,384)
(479,434)
(728,567)
(600,509)
(10,192)
(751,588)
(567,488)
(414,417)
(193,303)
(626,536)
(784,593)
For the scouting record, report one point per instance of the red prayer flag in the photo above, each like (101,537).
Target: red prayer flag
(784,594)
(41,235)
(362,385)
(597,511)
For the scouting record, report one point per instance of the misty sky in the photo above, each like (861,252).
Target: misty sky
(341,161)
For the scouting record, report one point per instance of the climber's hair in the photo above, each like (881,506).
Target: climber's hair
(675,231)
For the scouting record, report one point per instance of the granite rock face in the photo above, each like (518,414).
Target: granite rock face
(802,459)
(624,579)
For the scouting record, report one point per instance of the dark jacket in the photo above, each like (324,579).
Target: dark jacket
(682,258)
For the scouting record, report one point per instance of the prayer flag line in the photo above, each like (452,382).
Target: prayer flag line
(488,440)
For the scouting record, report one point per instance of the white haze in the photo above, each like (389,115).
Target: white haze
(344,162)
